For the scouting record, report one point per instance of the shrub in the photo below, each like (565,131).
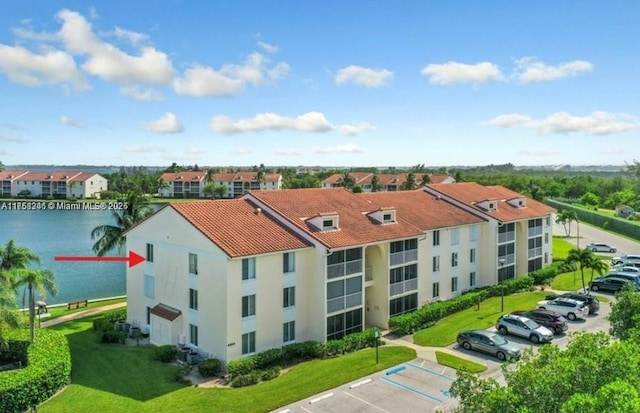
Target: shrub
(115,315)
(542,276)
(334,348)
(246,379)
(102,324)
(48,370)
(166,353)
(241,366)
(210,367)
(270,374)
(15,352)
(307,350)
(269,358)
(113,336)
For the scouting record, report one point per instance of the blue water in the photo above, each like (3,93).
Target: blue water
(51,233)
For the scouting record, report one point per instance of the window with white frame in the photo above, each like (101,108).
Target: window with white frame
(289,331)
(248,306)
(436,263)
(249,343)
(289,297)
(436,290)
(193,299)
(288,262)
(454,259)
(248,268)
(149,286)
(455,236)
(436,237)
(472,255)
(472,279)
(193,264)
(473,233)
(193,334)
(454,284)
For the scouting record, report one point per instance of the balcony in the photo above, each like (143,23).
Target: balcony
(398,258)
(344,302)
(535,252)
(506,237)
(403,287)
(368,277)
(509,259)
(535,231)
(344,268)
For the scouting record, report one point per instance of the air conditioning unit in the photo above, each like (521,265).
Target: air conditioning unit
(182,339)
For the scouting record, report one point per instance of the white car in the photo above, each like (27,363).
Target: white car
(628,259)
(601,247)
(626,268)
(569,308)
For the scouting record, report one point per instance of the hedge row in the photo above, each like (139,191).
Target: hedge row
(546,274)
(297,352)
(619,225)
(428,315)
(48,370)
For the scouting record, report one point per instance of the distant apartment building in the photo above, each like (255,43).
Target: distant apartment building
(191,184)
(59,184)
(230,278)
(387,182)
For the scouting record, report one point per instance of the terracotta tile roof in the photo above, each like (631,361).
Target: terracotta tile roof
(223,177)
(11,175)
(438,179)
(355,227)
(422,209)
(183,176)
(237,228)
(166,312)
(50,176)
(358,176)
(245,176)
(471,193)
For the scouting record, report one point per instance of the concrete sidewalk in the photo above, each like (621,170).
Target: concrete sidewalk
(84,313)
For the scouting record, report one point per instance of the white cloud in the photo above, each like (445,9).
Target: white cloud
(269,48)
(168,123)
(307,122)
(531,70)
(143,149)
(596,123)
(201,81)
(11,139)
(106,61)
(70,122)
(93,13)
(27,33)
(347,148)
(287,152)
(33,69)
(241,150)
(142,94)
(454,72)
(134,38)
(279,71)
(363,76)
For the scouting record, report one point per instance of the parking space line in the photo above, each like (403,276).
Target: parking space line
(411,389)
(360,383)
(306,410)
(366,402)
(323,397)
(444,376)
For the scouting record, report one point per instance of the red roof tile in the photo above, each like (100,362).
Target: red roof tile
(83,177)
(471,193)
(183,176)
(166,312)
(355,227)
(245,176)
(423,210)
(237,227)
(11,175)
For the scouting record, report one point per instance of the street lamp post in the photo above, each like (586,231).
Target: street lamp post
(501,263)
(376,335)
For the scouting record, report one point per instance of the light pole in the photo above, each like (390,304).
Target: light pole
(376,335)
(501,262)
(578,239)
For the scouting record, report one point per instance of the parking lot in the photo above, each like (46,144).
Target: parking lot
(416,386)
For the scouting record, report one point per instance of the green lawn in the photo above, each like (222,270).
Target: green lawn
(459,363)
(114,378)
(561,248)
(61,311)
(570,281)
(446,330)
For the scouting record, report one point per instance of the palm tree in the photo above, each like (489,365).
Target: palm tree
(584,258)
(375,184)
(410,183)
(598,266)
(42,281)
(347,181)
(425,180)
(112,236)
(9,318)
(565,218)
(14,257)
(210,176)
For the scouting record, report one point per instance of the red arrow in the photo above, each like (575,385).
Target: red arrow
(133,259)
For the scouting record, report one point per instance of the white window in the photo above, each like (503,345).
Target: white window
(436,290)
(436,238)
(547,221)
(454,259)
(289,331)
(248,306)
(472,255)
(193,299)
(288,262)
(249,343)
(149,286)
(193,334)
(455,236)
(472,279)
(454,284)
(473,233)
(249,268)
(289,297)
(150,252)
(327,224)
(436,263)
(193,264)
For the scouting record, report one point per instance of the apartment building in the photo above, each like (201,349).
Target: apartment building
(59,184)
(386,182)
(191,184)
(233,277)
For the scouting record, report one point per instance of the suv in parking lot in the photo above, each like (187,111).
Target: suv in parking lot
(569,308)
(550,319)
(592,302)
(601,247)
(523,327)
(488,342)
(611,284)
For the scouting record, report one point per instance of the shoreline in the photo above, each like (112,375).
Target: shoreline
(93,300)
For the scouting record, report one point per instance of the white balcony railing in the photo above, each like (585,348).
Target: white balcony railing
(535,231)
(346,301)
(403,287)
(397,258)
(368,274)
(344,268)
(506,237)
(535,252)
(509,259)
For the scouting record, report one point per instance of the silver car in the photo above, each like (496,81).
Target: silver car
(523,327)
(488,342)
(601,247)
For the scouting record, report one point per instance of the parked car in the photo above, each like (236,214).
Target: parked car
(625,259)
(612,284)
(601,247)
(627,268)
(488,342)
(569,308)
(634,278)
(592,302)
(554,321)
(523,327)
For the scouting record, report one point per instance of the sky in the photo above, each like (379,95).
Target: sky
(326,83)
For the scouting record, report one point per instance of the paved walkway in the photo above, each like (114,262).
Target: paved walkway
(424,352)
(84,313)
